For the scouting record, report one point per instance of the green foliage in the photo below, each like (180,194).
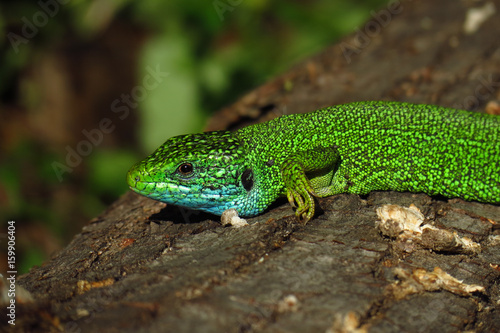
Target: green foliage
(217,50)
(108,170)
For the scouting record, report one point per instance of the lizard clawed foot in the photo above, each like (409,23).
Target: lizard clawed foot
(304,202)
(320,162)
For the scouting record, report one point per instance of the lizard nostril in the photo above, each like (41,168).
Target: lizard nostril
(134,177)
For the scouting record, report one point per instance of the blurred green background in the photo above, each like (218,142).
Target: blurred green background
(149,69)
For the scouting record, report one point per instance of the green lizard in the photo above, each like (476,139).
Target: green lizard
(351,148)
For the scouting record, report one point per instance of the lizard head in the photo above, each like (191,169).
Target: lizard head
(206,171)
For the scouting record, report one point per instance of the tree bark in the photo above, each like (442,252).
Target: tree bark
(143,266)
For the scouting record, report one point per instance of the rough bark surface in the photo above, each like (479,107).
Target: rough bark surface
(144,267)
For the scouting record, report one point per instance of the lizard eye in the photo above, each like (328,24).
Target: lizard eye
(185,169)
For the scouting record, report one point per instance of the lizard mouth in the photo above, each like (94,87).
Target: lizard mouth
(139,181)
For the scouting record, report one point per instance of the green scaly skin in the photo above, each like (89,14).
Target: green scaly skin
(350,148)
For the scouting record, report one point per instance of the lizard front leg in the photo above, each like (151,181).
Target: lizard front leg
(320,161)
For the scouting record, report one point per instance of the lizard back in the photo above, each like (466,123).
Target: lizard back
(392,146)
